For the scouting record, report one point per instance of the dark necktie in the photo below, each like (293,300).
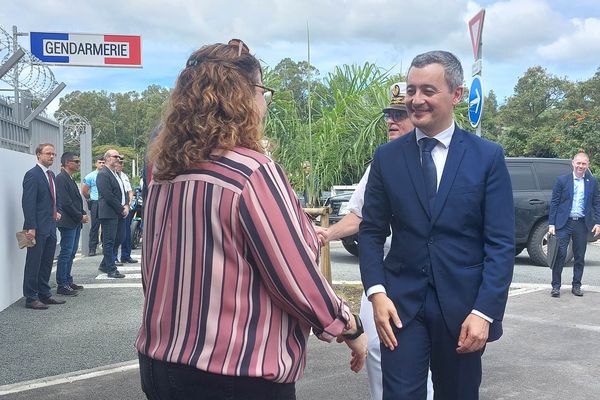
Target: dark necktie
(51,181)
(429,171)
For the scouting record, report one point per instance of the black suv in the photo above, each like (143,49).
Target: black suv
(532,182)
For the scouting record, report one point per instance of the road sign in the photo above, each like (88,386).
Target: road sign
(475,28)
(89,50)
(475,101)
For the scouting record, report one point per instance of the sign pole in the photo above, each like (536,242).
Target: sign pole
(476,94)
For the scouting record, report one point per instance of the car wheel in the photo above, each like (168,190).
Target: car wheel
(537,247)
(351,245)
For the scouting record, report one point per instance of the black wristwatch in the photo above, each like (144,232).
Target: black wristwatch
(359,329)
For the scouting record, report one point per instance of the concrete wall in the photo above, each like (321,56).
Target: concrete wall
(13,166)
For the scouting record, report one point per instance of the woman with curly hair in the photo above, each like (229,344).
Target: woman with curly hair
(231,281)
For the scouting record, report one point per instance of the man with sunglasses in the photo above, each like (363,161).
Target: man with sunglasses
(398,124)
(73,215)
(112,210)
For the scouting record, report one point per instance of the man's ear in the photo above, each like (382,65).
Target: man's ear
(458,95)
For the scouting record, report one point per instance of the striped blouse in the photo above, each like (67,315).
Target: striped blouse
(230,272)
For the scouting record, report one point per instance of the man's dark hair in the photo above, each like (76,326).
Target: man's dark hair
(67,156)
(100,157)
(453,72)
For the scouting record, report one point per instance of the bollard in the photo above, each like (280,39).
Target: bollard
(325,263)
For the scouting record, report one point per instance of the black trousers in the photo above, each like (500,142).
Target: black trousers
(95,225)
(166,381)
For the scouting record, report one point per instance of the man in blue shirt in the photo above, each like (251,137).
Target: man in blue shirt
(90,192)
(574,211)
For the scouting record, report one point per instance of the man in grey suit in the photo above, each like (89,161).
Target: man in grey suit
(112,209)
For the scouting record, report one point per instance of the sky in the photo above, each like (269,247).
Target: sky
(562,36)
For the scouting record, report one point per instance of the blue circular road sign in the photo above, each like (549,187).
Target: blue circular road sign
(475,101)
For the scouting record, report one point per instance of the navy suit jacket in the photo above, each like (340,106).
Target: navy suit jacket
(562,201)
(37,202)
(109,195)
(71,202)
(466,241)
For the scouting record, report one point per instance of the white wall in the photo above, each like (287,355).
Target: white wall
(13,166)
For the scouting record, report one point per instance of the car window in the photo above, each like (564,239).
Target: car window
(522,177)
(548,172)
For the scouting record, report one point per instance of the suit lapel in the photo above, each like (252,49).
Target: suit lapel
(571,186)
(413,163)
(456,152)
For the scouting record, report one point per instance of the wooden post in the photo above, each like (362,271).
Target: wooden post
(325,258)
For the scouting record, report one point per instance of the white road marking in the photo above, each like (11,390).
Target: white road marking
(112,285)
(68,377)
(127,276)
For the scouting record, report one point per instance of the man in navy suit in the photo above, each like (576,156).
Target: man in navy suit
(439,295)
(574,211)
(40,209)
(112,209)
(73,215)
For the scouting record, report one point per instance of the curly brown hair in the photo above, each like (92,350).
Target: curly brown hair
(211,108)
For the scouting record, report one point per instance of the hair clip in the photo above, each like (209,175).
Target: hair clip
(192,62)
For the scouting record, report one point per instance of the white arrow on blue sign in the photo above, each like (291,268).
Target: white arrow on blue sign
(475,101)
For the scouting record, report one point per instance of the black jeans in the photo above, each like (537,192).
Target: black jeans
(166,381)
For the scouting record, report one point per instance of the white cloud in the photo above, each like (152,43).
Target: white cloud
(580,45)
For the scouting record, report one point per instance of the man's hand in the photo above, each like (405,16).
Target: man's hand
(322,235)
(30,234)
(125,211)
(359,352)
(58,216)
(473,336)
(552,230)
(596,230)
(384,311)
(84,219)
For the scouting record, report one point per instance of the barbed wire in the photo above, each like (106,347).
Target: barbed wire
(74,125)
(32,74)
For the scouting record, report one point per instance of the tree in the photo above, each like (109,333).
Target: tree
(532,113)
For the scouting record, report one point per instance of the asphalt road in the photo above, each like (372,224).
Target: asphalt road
(84,349)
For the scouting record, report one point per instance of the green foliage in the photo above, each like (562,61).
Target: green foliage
(345,129)
(119,119)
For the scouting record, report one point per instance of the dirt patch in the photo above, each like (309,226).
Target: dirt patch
(351,293)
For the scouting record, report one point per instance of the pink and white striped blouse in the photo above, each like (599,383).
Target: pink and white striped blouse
(230,272)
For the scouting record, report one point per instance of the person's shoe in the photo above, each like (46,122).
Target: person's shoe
(577,291)
(92,253)
(66,291)
(115,274)
(555,292)
(51,300)
(118,263)
(36,305)
(129,260)
(75,286)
